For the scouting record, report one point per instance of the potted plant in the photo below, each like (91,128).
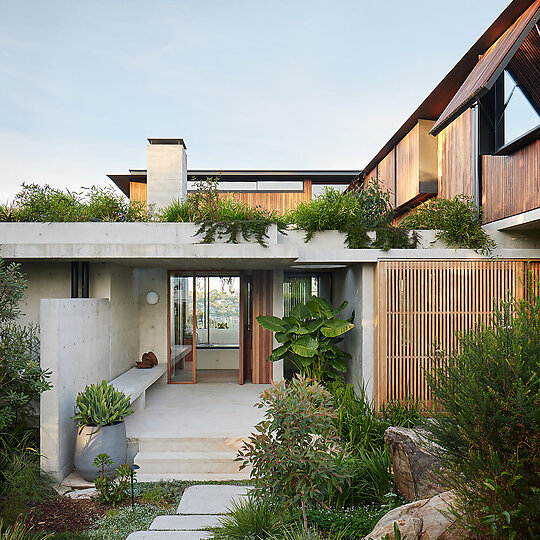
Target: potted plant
(100,412)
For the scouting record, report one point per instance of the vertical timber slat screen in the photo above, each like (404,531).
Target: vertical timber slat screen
(421,305)
(262,339)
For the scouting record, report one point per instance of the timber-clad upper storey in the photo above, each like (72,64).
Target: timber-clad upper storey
(483,121)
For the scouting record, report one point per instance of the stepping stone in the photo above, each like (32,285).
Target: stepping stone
(212,499)
(168,535)
(184,523)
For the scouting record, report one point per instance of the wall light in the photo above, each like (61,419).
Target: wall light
(152,298)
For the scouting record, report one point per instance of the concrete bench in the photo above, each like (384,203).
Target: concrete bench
(134,383)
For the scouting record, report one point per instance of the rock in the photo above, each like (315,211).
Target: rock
(415,468)
(427,519)
(82,493)
(61,490)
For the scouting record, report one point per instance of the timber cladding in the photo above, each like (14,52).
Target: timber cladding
(511,184)
(263,340)
(420,305)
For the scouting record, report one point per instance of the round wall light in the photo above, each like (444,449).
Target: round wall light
(152,298)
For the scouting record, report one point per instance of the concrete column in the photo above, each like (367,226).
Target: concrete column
(277,303)
(166,171)
(368,327)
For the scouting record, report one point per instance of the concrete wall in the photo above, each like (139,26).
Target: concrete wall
(356,285)
(152,319)
(75,346)
(217,358)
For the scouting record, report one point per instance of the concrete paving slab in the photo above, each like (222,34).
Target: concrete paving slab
(184,522)
(76,481)
(210,499)
(169,535)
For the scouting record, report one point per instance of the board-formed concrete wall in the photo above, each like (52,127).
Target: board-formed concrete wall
(75,346)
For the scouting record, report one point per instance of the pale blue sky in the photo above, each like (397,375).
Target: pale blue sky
(298,84)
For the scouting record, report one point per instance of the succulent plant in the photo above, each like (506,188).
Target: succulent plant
(101,405)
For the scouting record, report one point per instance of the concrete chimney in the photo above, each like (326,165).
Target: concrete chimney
(166,171)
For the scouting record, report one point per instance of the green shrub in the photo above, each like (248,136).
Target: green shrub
(458,222)
(250,519)
(309,335)
(111,491)
(101,405)
(353,212)
(294,453)
(47,204)
(489,432)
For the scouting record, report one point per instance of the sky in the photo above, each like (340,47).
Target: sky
(248,84)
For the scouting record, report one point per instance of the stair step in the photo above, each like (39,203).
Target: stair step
(190,444)
(187,462)
(193,476)
(169,535)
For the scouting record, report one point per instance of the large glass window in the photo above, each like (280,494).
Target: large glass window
(218,311)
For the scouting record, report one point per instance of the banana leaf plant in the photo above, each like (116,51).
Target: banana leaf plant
(309,337)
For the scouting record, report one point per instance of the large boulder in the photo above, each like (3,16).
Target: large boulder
(416,470)
(427,519)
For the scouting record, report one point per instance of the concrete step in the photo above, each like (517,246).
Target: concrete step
(190,444)
(186,462)
(184,523)
(194,476)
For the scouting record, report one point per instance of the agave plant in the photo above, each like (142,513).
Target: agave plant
(309,336)
(101,405)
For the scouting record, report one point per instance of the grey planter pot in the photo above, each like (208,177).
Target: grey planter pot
(90,442)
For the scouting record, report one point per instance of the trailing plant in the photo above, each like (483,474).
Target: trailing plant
(309,337)
(111,491)
(389,237)
(458,222)
(294,451)
(221,217)
(489,433)
(251,519)
(101,405)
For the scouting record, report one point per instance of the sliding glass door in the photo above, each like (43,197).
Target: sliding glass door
(182,346)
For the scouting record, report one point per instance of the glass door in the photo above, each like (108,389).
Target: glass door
(182,345)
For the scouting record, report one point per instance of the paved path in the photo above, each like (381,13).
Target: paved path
(200,507)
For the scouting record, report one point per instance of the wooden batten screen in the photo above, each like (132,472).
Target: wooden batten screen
(261,372)
(421,305)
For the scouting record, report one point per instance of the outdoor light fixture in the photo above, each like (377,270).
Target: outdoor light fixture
(152,298)
(133,468)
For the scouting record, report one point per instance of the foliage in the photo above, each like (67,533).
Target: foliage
(48,204)
(351,212)
(101,405)
(20,531)
(359,425)
(458,222)
(111,491)
(489,432)
(221,217)
(119,523)
(254,519)
(390,237)
(355,522)
(294,451)
(370,480)
(298,533)
(21,479)
(309,337)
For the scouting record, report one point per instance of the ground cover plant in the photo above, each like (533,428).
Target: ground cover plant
(489,432)
(458,222)
(309,336)
(47,204)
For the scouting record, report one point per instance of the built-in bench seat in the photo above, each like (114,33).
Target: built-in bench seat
(134,383)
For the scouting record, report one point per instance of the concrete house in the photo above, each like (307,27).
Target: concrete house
(105,293)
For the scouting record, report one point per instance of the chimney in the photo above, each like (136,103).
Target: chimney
(166,171)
